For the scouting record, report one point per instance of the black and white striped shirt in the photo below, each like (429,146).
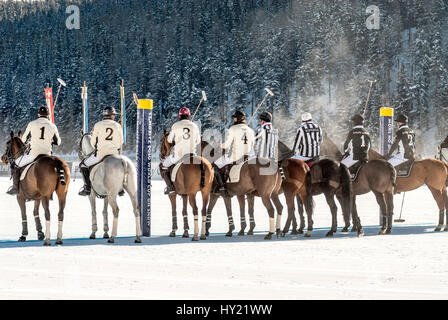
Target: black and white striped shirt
(266,142)
(308,140)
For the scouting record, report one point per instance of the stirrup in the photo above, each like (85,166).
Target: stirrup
(12,191)
(121,193)
(85,191)
(169,191)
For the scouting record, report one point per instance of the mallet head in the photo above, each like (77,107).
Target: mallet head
(204,96)
(269,92)
(62,82)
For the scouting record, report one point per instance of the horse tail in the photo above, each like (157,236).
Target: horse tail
(61,172)
(126,173)
(446,166)
(346,188)
(393,176)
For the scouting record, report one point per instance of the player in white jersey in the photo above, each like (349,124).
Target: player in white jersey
(107,139)
(41,135)
(239,145)
(186,137)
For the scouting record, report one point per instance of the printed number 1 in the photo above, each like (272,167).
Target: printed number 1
(42,133)
(363,145)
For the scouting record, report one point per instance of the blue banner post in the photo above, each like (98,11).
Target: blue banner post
(85,114)
(386,135)
(123,111)
(144,133)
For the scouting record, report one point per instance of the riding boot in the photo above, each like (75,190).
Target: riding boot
(166,175)
(220,186)
(15,173)
(85,191)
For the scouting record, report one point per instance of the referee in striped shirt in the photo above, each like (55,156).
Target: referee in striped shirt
(308,140)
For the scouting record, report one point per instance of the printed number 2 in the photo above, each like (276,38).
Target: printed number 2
(42,133)
(111,132)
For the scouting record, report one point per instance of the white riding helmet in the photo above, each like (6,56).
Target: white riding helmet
(307,117)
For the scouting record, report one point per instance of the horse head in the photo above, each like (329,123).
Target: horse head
(165,146)
(14,148)
(330,149)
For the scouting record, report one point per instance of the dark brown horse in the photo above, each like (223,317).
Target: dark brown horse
(43,178)
(430,172)
(194,175)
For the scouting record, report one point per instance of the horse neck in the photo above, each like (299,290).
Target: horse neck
(17,147)
(374,155)
(86,144)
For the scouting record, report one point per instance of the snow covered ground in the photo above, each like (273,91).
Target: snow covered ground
(410,264)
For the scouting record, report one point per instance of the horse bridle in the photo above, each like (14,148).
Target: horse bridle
(9,156)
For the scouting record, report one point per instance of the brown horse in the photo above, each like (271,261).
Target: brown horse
(268,187)
(43,178)
(430,172)
(194,175)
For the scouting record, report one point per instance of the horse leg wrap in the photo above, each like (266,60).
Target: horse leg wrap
(282,173)
(24,228)
(231,221)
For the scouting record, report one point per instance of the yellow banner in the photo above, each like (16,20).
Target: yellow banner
(145,104)
(387,112)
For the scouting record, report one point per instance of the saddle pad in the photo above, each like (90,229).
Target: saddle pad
(354,171)
(174,172)
(235,172)
(404,170)
(25,170)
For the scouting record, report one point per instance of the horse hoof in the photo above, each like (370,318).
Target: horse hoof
(283,235)
(382,233)
(250,233)
(195,238)
(294,232)
(438,229)
(106,235)
(186,235)
(360,234)
(40,236)
(445,230)
(207,234)
(47,243)
(241,233)
(330,234)
(345,230)
(92,237)
(268,236)
(229,234)
(308,234)
(388,231)
(138,240)
(111,240)
(172,234)
(59,242)
(300,231)
(203,237)
(22,239)
(354,230)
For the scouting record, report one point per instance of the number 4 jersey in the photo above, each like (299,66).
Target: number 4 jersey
(107,138)
(41,134)
(186,138)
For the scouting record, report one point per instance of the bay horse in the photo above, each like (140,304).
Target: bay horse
(430,172)
(113,174)
(194,175)
(46,175)
(268,187)
(377,176)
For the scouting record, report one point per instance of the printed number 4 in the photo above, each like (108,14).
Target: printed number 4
(244,139)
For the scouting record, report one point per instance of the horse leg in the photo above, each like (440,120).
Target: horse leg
(345,214)
(251,205)
(185,215)
(22,204)
(301,215)
(279,208)
(357,227)
(205,200)
(62,200)
(173,215)
(271,212)
(115,211)
(382,203)
(389,197)
(138,226)
(446,208)
(192,200)
(289,196)
(228,203)
(40,234)
(213,199)
(329,196)
(46,205)
(242,203)
(105,220)
(440,199)
(93,209)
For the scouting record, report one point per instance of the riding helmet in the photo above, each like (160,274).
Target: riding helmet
(358,119)
(266,116)
(184,112)
(109,111)
(402,118)
(307,117)
(239,115)
(43,111)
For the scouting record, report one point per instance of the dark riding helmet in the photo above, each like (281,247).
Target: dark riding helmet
(109,111)
(239,115)
(358,119)
(402,118)
(43,112)
(266,116)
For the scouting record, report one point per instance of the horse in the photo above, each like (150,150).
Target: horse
(430,172)
(113,174)
(268,187)
(377,176)
(46,175)
(195,174)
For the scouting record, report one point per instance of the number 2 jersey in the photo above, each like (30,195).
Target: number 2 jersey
(186,137)
(404,143)
(107,138)
(358,143)
(240,141)
(41,134)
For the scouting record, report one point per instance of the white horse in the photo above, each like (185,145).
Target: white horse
(114,174)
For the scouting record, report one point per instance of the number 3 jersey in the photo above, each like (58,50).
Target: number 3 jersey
(41,134)
(107,138)
(240,141)
(186,138)
(358,143)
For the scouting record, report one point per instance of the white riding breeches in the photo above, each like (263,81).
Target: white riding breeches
(397,159)
(90,161)
(24,160)
(349,162)
(299,157)
(169,161)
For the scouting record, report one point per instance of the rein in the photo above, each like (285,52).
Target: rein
(9,156)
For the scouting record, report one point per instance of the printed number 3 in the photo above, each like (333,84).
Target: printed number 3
(111,132)
(186,134)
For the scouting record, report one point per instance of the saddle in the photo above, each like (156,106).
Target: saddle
(312,162)
(24,170)
(355,169)
(231,172)
(188,159)
(404,170)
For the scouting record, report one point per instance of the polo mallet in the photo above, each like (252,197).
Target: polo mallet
(61,83)
(135,98)
(401,211)
(269,93)
(204,98)
(368,97)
